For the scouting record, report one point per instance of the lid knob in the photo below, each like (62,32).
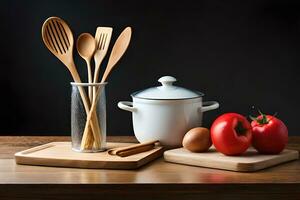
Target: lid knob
(167,80)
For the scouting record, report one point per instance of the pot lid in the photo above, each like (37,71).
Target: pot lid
(167,91)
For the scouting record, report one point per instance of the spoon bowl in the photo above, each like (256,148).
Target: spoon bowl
(86,46)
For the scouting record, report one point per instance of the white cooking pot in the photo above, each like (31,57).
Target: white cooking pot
(167,112)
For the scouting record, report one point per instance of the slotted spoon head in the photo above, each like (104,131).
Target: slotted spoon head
(58,38)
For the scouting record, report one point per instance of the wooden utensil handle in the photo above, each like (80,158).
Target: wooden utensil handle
(94,122)
(90,80)
(152,142)
(130,152)
(91,115)
(76,78)
(133,149)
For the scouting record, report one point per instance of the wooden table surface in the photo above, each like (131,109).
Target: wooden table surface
(157,180)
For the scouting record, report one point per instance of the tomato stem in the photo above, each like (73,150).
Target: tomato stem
(262,119)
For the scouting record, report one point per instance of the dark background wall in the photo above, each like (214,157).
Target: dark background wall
(240,53)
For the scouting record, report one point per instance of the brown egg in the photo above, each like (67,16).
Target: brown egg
(197,140)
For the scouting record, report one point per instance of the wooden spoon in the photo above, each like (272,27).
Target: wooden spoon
(58,38)
(117,52)
(86,46)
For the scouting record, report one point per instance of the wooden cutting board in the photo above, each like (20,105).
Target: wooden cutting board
(60,154)
(248,162)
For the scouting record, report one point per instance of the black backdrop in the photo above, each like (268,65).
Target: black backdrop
(240,53)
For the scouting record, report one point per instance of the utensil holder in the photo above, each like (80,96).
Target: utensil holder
(79,116)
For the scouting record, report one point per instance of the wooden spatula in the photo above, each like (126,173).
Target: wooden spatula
(102,37)
(117,52)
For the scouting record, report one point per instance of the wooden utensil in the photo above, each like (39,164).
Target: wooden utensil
(133,149)
(103,36)
(118,50)
(86,46)
(58,38)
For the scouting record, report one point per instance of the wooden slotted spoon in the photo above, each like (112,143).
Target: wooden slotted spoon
(117,52)
(58,38)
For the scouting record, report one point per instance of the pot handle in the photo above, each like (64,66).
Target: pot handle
(209,105)
(126,105)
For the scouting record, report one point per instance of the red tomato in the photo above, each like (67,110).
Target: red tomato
(270,135)
(231,134)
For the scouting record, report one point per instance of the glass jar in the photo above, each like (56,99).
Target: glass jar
(88,137)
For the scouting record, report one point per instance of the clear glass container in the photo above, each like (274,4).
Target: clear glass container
(92,137)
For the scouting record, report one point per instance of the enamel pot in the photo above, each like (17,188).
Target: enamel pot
(166,112)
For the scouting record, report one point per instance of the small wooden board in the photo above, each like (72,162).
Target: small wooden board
(60,154)
(248,162)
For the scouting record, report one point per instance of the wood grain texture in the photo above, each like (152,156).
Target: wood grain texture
(157,180)
(248,162)
(9,145)
(60,154)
